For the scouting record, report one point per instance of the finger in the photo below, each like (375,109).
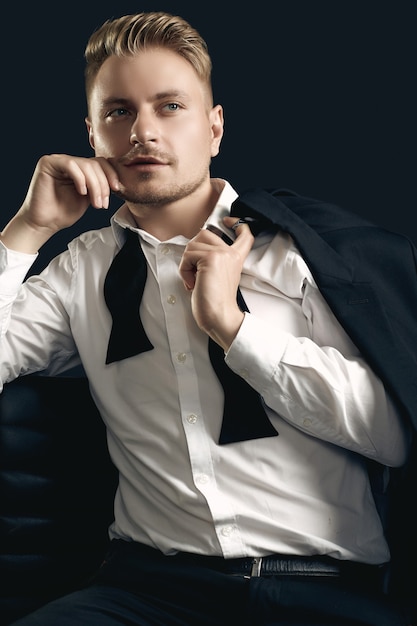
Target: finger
(244,238)
(238,225)
(194,252)
(92,177)
(110,172)
(187,268)
(188,278)
(100,178)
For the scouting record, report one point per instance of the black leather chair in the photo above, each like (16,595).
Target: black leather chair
(57,486)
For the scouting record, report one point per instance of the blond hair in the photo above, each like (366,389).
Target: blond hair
(129,34)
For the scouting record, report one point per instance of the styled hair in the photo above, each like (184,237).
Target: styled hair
(130,34)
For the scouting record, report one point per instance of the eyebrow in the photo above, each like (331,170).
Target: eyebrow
(113,101)
(172,93)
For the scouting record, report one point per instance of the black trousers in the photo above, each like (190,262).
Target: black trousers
(138,586)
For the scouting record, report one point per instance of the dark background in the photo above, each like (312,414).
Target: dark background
(319,97)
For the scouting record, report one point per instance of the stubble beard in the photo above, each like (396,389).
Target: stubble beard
(157,195)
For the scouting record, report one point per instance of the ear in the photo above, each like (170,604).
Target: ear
(217,127)
(90,132)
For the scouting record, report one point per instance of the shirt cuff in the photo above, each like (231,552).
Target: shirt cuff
(13,268)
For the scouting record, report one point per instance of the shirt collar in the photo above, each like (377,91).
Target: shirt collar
(290,270)
(227,196)
(123,219)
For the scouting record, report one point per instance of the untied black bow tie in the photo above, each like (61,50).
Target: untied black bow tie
(244,415)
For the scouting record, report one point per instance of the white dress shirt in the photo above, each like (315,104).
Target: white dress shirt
(303,492)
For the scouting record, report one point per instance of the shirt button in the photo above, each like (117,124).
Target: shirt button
(181,357)
(192,418)
(202,479)
(307,422)
(165,250)
(227,531)
(171,299)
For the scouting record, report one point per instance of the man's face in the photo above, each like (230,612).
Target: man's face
(152,118)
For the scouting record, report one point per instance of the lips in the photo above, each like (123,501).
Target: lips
(144,160)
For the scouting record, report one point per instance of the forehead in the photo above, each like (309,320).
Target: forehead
(144,75)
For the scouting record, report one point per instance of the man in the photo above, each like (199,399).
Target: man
(262,514)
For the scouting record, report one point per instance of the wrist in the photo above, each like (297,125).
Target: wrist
(21,236)
(225,334)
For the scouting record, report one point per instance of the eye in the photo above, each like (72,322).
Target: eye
(120,112)
(172,107)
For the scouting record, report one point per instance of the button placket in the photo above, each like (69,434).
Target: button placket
(177,317)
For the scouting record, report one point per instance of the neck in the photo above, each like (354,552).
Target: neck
(182,217)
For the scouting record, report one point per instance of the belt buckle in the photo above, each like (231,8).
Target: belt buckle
(256,567)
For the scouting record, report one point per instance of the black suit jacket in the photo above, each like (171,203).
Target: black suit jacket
(368,277)
(366,274)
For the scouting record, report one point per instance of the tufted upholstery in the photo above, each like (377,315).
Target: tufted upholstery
(57,486)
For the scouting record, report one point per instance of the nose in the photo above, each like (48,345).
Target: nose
(143,129)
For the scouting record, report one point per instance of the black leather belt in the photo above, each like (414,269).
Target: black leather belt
(275,565)
(283,565)
(280,565)
(271,565)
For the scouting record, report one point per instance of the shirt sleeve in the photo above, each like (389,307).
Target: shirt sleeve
(320,384)
(13,268)
(34,329)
